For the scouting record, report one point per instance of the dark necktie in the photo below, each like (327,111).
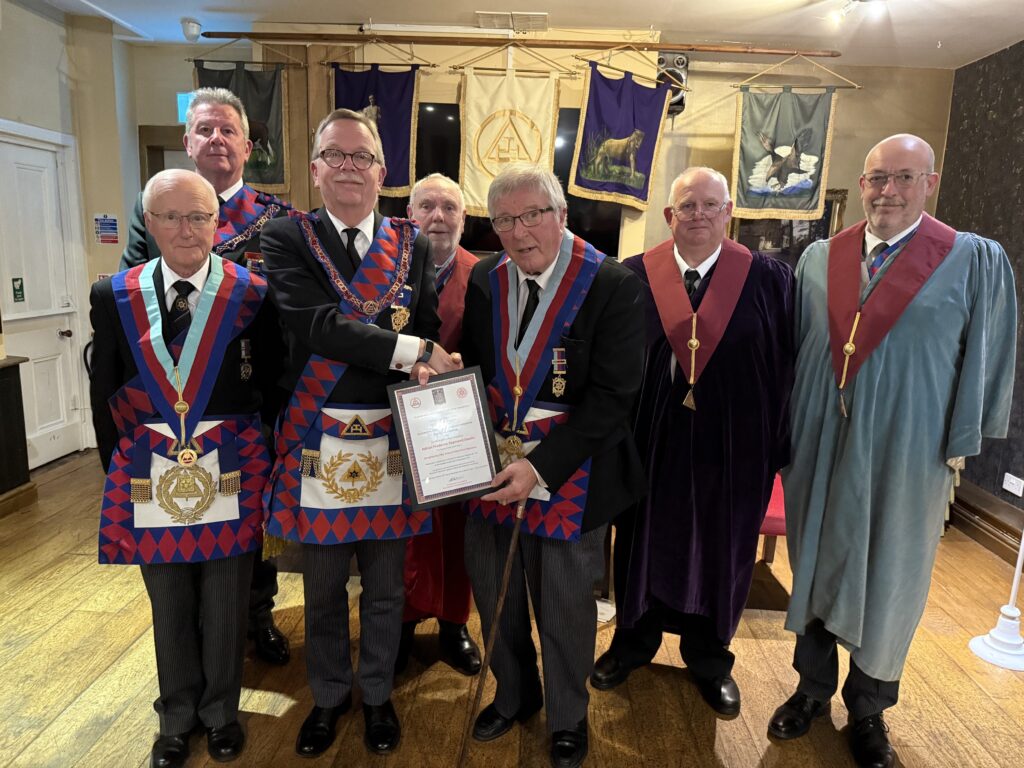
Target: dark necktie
(873,257)
(350,248)
(180,316)
(690,279)
(532,301)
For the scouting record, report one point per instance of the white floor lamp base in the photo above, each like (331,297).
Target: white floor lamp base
(1003,646)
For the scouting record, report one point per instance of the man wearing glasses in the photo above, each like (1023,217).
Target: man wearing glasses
(557,329)
(356,296)
(712,424)
(179,371)
(905,333)
(217,140)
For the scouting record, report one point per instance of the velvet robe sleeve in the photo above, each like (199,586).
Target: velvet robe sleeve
(981,407)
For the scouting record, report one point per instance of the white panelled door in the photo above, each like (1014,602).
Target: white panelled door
(37,298)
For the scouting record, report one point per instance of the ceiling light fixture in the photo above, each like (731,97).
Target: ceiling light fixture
(849,6)
(190,28)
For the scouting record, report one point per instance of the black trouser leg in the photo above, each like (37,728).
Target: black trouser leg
(865,695)
(262,591)
(703,652)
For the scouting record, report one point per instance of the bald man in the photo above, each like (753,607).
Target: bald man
(713,427)
(179,374)
(905,332)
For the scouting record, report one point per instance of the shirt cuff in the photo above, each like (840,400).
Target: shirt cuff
(540,480)
(406,351)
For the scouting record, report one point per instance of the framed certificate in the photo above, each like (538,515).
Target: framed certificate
(446,437)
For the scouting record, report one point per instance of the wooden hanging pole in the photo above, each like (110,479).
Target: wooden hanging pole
(475,42)
(762,73)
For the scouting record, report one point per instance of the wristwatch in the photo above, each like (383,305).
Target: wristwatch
(428,350)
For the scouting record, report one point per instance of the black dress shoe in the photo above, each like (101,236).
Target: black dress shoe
(568,748)
(793,719)
(869,743)
(721,693)
(490,724)
(405,646)
(317,732)
(458,649)
(225,743)
(609,672)
(169,751)
(271,645)
(382,729)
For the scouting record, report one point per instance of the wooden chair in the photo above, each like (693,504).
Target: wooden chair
(774,524)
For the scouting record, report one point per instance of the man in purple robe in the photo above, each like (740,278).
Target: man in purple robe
(712,424)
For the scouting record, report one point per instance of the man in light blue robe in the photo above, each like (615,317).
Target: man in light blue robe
(906,335)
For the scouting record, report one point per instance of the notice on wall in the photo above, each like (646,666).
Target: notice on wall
(18,288)
(105,226)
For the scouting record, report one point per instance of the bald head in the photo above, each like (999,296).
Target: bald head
(698,213)
(899,176)
(693,174)
(172,199)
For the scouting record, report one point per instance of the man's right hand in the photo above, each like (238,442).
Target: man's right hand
(442,362)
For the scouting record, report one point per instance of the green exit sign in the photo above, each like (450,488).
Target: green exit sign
(18,288)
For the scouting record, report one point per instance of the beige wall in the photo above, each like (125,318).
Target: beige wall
(891,101)
(161,71)
(93,90)
(33,63)
(127,131)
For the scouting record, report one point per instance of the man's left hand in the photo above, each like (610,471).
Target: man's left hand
(422,373)
(518,479)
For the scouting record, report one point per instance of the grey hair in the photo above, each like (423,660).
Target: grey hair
(516,176)
(165,179)
(692,170)
(215,96)
(437,178)
(359,117)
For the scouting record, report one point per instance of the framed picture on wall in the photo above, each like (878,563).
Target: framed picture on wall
(786,239)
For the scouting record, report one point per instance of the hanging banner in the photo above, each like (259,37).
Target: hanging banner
(780,162)
(263,94)
(617,140)
(505,119)
(391,100)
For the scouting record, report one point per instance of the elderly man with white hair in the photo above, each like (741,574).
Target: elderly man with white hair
(713,427)
(556,327)
(179,372)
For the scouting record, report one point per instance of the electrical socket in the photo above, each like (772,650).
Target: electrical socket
(1013,484)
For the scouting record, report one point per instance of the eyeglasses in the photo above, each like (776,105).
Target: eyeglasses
(335,158)
(529,219)
(173,219)
(903,179)
(690,210)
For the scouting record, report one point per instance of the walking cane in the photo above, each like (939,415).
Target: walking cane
(489,645)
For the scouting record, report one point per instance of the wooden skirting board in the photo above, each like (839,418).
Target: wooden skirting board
(988,520)
(17,498)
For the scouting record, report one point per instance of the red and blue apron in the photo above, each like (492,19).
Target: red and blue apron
(182,486)
(338,476)
(520,420)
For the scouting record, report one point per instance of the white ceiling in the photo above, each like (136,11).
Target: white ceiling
(903,33)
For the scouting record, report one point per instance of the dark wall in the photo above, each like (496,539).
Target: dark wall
(983,191)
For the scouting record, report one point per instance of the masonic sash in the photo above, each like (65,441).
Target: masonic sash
(182,487)
(855,330)
(694,336)
(520,420)
(242,218)
(338,474)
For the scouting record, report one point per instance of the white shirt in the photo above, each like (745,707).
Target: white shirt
(541,280)
(407,348)
(171,277)
(231,191)
(871,240)
(703,268)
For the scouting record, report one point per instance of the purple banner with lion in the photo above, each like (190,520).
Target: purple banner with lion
(617,140)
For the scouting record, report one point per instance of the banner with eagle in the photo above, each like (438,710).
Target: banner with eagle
(780,162)
(263,94)
(506,118)
(617,140)
(391,100)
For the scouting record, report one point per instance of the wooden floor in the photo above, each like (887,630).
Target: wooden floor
(78,677)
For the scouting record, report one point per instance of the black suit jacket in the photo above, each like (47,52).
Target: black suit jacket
(113,365)
(308,305)
(604,351)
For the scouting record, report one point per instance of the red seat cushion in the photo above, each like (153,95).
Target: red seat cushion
(775,519)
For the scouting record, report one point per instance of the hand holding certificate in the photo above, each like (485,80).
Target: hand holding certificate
(446,437)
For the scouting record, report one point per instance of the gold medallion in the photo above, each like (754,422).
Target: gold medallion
(558,386)
(181,407)
(693,344)
(371,308)
(399,318)
(187,457)
(517,391)
(511,449)
(185,493)
(689,402)
(246,371)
